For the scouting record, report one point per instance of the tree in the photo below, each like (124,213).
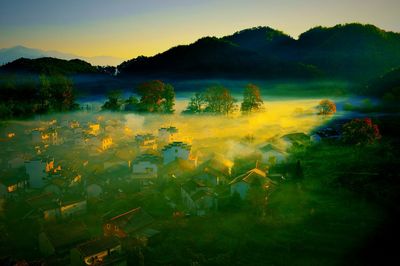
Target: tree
(251,99)
(62,95)
(326,107)
(360,132)
(219,100)
(26,95)
(44,92)
(114,101)
(56,93)
(156,96)
(131,104)
(196,104)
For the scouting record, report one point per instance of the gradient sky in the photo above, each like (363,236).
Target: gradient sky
(128,28)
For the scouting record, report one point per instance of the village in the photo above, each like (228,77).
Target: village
(94,191)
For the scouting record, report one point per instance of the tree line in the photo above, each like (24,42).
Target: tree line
(219,100)
(158,97)
(154,97)
(25,95)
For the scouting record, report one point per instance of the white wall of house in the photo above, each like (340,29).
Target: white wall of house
(37,172)
(144,167)
(175,152)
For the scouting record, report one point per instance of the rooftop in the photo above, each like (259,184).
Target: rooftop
(13,176)
(147,158)
(251,176)
(169,129)
(296,137)
(66,235)
(132,220)
(98,245)
(177,144)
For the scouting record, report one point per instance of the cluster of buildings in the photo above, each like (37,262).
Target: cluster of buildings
(67,170)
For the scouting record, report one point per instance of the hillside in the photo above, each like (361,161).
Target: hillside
(350,51)
(386,86)
(50,66)
(10,54)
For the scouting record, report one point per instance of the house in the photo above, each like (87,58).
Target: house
(50,136)
(13,181)
(146,165)
(100,251)
(106,143)
(72,205)
(92,144)
(167,134)
(74,124)
(295,139)
(271,154)
(46,205)
(198,198)
(177,150)
(59,239)
(36,136)
(50,207)
(93,129)
(215,171)
(254,177)
(177,168)
(146,142)
(36,170)
(131,224)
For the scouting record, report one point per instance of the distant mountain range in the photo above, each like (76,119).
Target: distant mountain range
(353,52)
(10,54)
(350,51)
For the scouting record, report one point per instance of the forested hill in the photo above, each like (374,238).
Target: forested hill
(351,51)
(49,66)
(386,86)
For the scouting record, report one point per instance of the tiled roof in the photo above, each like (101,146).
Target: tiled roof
(132,220)
(251,176)
(177,144)
(98,245)
(147,158)
(13,176)
(169,129)
(66,235)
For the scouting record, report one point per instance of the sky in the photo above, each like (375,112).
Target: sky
(129,28)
